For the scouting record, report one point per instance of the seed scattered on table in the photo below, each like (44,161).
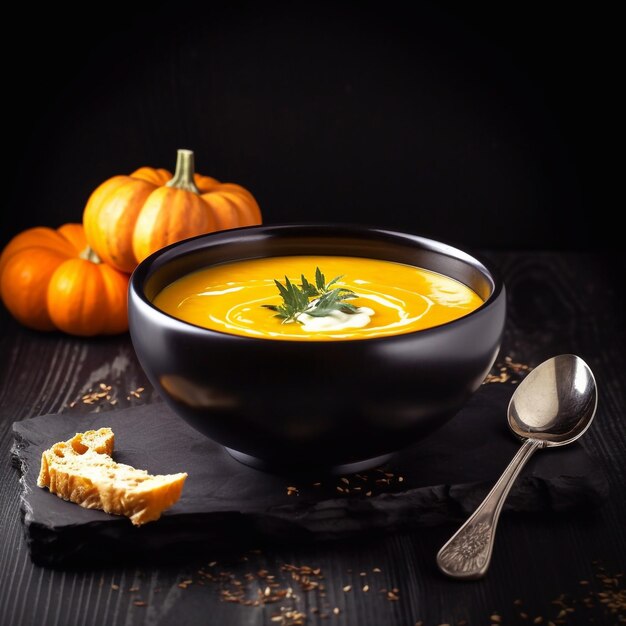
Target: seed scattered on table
(289,617)
(135,393)
(95,396)
(506,371)
(607,602)
(379,480)
(502,377)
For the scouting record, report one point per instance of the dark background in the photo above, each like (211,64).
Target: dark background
(489,125)
(480,124)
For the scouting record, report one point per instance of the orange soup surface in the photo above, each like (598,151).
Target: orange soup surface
(401,298)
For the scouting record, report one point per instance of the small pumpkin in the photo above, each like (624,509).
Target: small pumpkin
(51,280)
(127,218)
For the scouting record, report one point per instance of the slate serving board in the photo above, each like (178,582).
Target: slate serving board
(224,503)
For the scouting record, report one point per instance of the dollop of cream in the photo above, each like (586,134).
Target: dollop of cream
(337,320)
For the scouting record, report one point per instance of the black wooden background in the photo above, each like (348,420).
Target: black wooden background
(487,124)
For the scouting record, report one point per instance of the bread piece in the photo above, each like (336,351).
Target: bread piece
(81,470)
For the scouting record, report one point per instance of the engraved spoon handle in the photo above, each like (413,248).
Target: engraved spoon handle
(468,552)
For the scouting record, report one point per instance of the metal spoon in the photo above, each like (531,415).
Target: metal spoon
(553,406)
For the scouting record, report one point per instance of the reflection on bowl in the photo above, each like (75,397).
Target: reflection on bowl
(314,405)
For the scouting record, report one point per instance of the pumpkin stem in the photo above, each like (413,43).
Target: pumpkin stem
(183,177)
(89,255)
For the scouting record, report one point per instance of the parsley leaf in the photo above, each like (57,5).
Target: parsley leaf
(297,298)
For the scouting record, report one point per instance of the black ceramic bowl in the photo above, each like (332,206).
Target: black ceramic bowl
(314,405)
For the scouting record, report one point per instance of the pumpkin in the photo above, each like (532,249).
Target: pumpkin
(127,218)
(51,280)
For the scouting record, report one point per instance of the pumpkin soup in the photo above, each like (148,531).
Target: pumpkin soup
(324,298)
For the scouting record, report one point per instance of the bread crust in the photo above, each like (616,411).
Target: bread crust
(82,471)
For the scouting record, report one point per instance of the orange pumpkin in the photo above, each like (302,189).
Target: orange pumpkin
(50,280)
(128,218)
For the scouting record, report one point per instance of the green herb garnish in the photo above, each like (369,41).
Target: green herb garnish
(297,299)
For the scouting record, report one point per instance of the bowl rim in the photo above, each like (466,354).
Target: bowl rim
(146,268)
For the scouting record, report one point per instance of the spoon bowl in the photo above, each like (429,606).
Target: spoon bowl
(553,406)
(555,403)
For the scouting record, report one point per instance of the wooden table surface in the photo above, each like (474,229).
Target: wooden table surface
(548,567)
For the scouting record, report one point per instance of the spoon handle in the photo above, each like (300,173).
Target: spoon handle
(468,552)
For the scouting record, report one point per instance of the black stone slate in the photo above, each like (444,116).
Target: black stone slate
(225,503)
